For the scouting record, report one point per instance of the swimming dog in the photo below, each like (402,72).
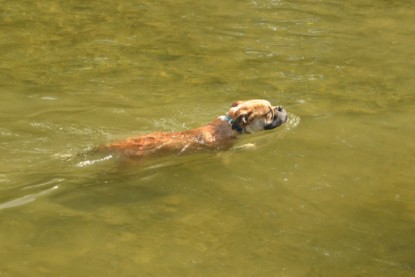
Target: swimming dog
(243,117)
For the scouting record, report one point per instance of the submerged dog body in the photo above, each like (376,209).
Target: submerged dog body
(243,117)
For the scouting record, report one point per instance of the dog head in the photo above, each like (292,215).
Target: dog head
(256,115)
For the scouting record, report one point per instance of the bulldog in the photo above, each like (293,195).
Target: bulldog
(243,117)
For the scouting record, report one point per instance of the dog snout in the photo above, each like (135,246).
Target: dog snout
(280,117)
(281,114)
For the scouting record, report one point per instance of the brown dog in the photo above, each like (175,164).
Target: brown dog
(243,117)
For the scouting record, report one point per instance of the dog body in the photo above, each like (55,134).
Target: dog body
(243,117)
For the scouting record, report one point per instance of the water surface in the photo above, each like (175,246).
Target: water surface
(328,194)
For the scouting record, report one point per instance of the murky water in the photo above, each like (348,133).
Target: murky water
(329,194)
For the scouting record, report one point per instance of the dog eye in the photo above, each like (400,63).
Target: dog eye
(269,112)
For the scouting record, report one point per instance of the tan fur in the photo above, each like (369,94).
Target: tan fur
(250,116)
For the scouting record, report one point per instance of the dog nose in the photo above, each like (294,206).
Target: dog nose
(282,114)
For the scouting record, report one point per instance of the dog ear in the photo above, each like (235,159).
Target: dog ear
(236,103)
(240,122)
(234,111)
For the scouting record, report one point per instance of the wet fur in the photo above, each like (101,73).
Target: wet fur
(249,116)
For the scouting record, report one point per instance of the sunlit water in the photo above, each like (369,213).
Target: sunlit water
(328,194)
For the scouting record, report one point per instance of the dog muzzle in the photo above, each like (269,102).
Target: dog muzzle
(280,117)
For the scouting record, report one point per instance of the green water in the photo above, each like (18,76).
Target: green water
(331,193)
